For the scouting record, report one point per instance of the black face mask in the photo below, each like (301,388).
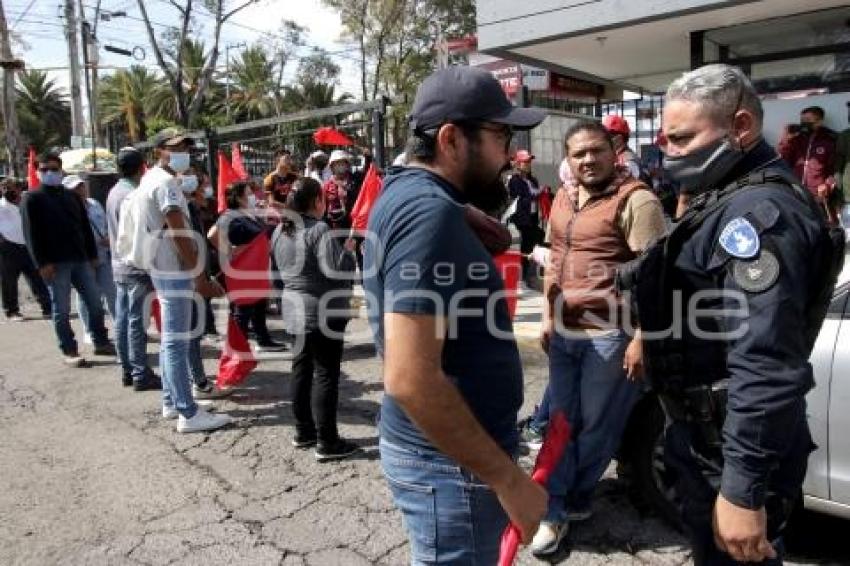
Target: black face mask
(806,128)
(704,168)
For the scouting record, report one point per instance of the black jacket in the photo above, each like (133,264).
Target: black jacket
(56,226)
(519,189)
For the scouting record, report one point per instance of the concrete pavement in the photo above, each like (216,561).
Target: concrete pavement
(90,474)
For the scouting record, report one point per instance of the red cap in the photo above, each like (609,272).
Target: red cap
(616,125)
(523,156)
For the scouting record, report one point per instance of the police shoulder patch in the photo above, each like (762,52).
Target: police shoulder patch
(756,275)
(740,239)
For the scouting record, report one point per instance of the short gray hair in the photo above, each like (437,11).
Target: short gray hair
(720,88)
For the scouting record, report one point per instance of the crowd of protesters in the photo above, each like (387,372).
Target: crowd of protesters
(156,249)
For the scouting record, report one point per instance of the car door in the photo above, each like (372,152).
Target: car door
(818,399)
(839,413)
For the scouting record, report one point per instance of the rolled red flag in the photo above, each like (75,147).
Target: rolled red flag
(32,171)
(556,441)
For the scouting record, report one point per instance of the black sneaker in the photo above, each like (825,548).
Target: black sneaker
(127,379)
(105,349)
(337,450)
(304,441)
(150,382)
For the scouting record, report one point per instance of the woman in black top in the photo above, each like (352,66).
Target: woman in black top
(242,226)
(316,301)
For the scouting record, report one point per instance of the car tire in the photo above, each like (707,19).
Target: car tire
(641,462)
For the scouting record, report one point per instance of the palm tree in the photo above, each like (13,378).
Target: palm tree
(194,58)
(44,113)
(128,98)
(252,92)
(309,94)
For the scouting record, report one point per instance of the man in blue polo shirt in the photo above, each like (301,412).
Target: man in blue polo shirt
(452,371)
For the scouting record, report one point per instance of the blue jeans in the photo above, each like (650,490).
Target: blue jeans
(80,276)
(106,291)
(540,418)
(175,302)
(131,325)
(589,384)
(451,517)
(196,360)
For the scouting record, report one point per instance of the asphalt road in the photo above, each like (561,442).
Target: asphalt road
(90,474)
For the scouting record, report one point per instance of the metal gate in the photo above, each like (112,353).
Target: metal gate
(259,140)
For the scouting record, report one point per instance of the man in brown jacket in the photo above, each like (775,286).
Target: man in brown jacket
(602,221)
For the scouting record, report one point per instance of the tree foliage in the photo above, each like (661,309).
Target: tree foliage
(44,114)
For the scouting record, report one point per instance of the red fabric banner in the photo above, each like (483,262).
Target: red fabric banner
(32,170)
(236,360)
(253,281)
(369,193)
(238,162)
(226,175)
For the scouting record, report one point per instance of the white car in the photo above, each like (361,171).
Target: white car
(827,485)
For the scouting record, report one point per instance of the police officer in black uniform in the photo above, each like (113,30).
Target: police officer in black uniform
(729,305)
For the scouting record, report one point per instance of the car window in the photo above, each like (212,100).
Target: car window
(839,307)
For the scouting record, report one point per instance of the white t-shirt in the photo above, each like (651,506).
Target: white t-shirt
(162,194)
(11,227)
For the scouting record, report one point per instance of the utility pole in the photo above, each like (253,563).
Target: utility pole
(94,59)
(227,49)
(74,66)
(10,112)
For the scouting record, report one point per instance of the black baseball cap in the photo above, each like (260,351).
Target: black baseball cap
(129,158)
(460,94)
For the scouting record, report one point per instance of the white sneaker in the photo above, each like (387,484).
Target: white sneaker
(202,421)
(548,538)
(171,412)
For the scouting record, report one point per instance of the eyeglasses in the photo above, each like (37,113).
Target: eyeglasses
(504,131)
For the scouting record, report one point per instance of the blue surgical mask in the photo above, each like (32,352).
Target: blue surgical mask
(252,201)
(50,178)
(189,183)
(179,161)
(208,192)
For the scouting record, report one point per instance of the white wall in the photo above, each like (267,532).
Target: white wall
(778,113)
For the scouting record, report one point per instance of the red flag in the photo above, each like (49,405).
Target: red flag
(557,438)
(247,275)
(545,200)
(236,360)
(32,170)
(226,175)
(509,264)
(238,162)
(156,314)
(369,192)
(331,136)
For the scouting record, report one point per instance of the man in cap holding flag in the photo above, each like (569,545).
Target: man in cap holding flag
(448,419)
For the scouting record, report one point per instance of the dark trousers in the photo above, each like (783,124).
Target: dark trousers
(529,237)
(315,382)
(697,487)
(253,315)
(14,262)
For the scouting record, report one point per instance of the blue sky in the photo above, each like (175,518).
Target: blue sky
(39,23)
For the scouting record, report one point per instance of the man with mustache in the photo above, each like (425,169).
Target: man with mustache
(452,372)
(606,218)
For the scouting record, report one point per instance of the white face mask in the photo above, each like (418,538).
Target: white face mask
(208,192)
(179,161)
(252,201)
(189,183)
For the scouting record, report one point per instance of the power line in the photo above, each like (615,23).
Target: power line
(26,10)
